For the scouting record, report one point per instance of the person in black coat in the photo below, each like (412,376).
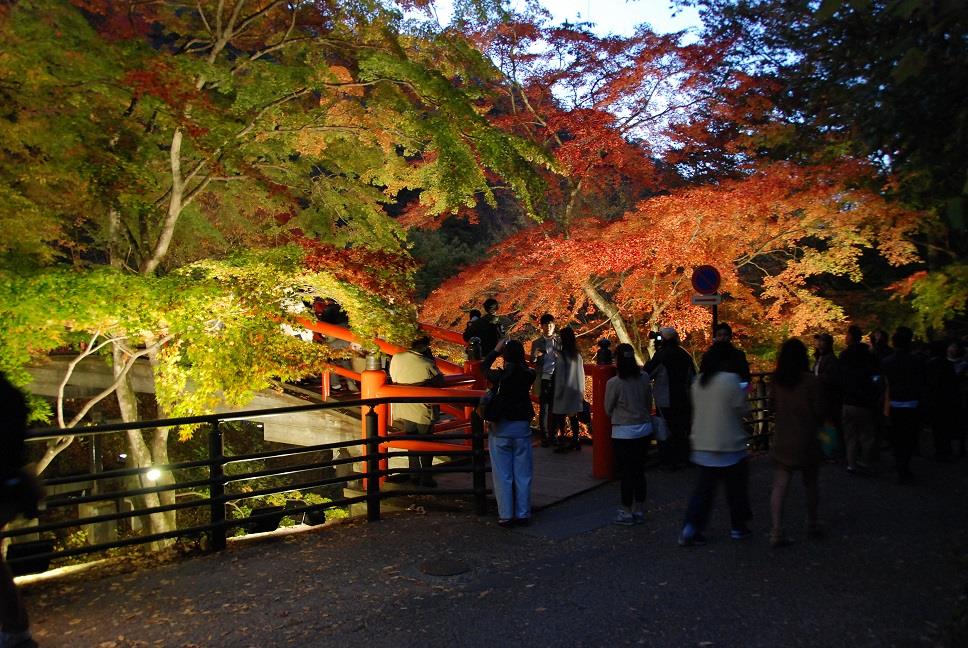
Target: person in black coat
(861,395)
(905,377)
(20,493)
(673,370)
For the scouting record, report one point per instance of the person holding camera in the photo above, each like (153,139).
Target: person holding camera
(509,440)
(673,370)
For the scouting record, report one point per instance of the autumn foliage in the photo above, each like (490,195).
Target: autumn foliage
(770,234)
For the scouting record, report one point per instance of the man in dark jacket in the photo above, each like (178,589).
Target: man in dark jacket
(858,371)
(905,376)
(488,328)
(737,364)
(673,370)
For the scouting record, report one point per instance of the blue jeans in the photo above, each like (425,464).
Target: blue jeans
(511,471)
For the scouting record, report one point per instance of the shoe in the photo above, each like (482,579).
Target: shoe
(906,477)
(576,446)
(624,518)
(562,449)
(639,517)
(816,530)
(522,522)
(505,524)
(545,443)
(695,540)
(740,533)
(779,539)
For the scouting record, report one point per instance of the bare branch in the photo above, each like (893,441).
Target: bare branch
(201,13)
(248,20)
(107,391)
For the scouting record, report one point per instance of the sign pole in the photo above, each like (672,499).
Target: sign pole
(706,280)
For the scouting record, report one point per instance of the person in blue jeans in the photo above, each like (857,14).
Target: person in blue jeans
(509,440)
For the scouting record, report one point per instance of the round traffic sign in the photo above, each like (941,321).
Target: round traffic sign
(705,279)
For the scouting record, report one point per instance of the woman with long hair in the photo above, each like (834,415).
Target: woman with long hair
(719,445)
(797,402)
(569,391)
(510,435)
(628,401)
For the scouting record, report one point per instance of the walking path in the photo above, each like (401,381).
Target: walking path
(889,574)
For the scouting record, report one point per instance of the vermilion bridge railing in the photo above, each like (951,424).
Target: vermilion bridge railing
(465,380)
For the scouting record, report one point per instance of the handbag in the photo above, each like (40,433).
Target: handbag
(829,438)
(490,406)
(659,427)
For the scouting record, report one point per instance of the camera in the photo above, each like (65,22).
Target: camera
(655,335)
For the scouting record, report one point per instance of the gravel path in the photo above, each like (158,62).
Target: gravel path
(890,573)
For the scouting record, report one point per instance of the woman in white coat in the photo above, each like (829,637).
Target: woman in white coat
(569,392)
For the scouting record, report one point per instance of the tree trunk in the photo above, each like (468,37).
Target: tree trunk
(140,452)
(611,312)
(159,449)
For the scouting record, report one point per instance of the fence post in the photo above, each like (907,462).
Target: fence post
(372,466)
(478,466)
(371,381)
(216,485)
(602,459)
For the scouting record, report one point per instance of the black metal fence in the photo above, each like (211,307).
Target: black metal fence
(208,480)
(759,420)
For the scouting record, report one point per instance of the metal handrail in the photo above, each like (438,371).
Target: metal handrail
(375,449)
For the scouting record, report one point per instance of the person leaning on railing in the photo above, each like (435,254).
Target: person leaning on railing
(413,367)
(510,412)
(20,493)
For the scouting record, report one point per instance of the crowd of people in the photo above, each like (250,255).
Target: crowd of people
(867,397)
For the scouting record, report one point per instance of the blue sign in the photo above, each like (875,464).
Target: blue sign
(705,279)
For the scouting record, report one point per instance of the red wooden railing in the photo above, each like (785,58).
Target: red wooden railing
(466,380)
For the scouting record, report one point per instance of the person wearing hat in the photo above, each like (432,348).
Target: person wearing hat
(673,370)
(414,367)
